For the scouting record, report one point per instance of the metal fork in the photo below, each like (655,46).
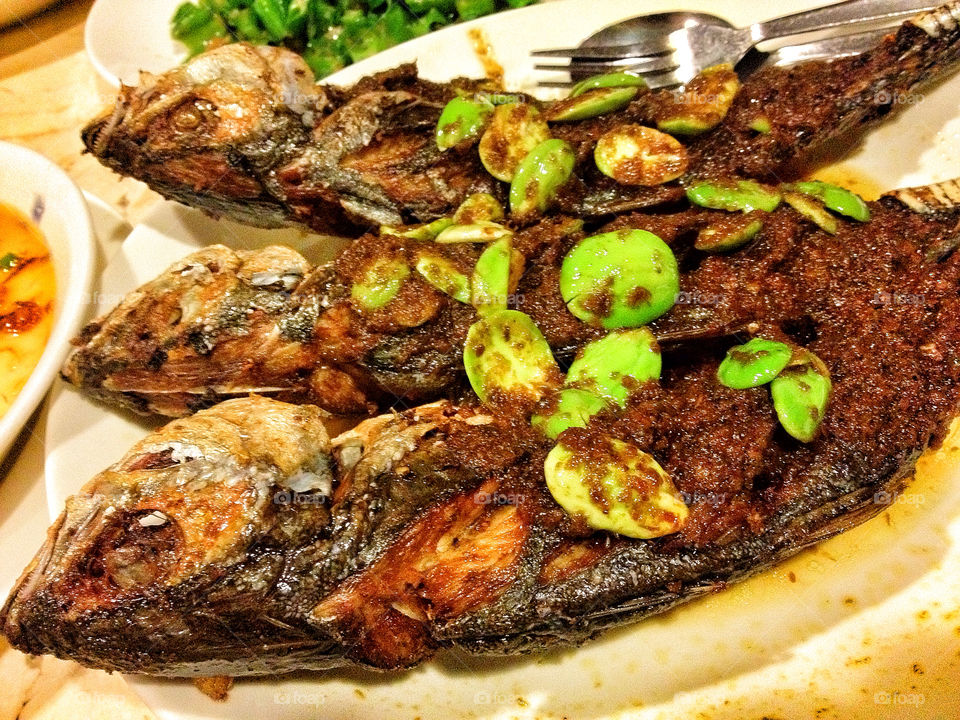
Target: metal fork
(670,48)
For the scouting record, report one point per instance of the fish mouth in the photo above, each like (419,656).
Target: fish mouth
(73,529)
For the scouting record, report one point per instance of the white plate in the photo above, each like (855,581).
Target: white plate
(39,189)
(832,633)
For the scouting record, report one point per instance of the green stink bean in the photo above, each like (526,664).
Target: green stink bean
(614,366)
(422,232)
(444,276)
(614,486)
(624,278)
(496,275)
(574,409)
(379,283)
(514,131)
(477,208)
(637,155)
(461,119)
(761,124)
(728,232)
(703,104)
(812,210)
(505,353)
(745,195)
(482,231)
(754,363)
(544,169)
(836,198)
(800,394)
(608,80)
(590,104)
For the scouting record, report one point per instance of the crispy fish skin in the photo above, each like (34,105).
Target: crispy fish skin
(437,530)
(198,553)
(220,324)
(194,534)
(241,132)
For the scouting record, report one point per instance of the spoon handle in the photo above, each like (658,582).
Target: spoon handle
(832,16)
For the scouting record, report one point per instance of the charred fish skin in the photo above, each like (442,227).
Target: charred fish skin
(178,558)
(335,159)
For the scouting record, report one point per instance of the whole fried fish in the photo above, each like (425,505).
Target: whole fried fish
(242,132)
(240,541)
(220,323)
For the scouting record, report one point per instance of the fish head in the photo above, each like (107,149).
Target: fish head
(186,535)
(201,127)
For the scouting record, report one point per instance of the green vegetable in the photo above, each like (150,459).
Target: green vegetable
(614,366)
(444,276)
(461,119)
(745,195)
(812,210)
(590,104)
(538,176)
(195,26)
(422,232)
(608,80)
(514,130)
(754,363)
(624,278)
(506,353)
(614,486)
(273,16)
(574,409)
(478,207)
(637,155)
(483,231)
(728,233)
(496,275)
(800,394)
(703,104)
(379,283)
(329,35)
(761,125)
(836,198)
(8,261)
(470,9)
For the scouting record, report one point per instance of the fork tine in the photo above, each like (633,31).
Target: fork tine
(658,46)
(651,65)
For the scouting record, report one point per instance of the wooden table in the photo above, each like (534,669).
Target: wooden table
(48,90)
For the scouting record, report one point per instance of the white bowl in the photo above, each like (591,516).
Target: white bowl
(30,181)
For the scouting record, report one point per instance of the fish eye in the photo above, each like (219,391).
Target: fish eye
(190,115)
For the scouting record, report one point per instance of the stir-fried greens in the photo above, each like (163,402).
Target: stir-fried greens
(329,35)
